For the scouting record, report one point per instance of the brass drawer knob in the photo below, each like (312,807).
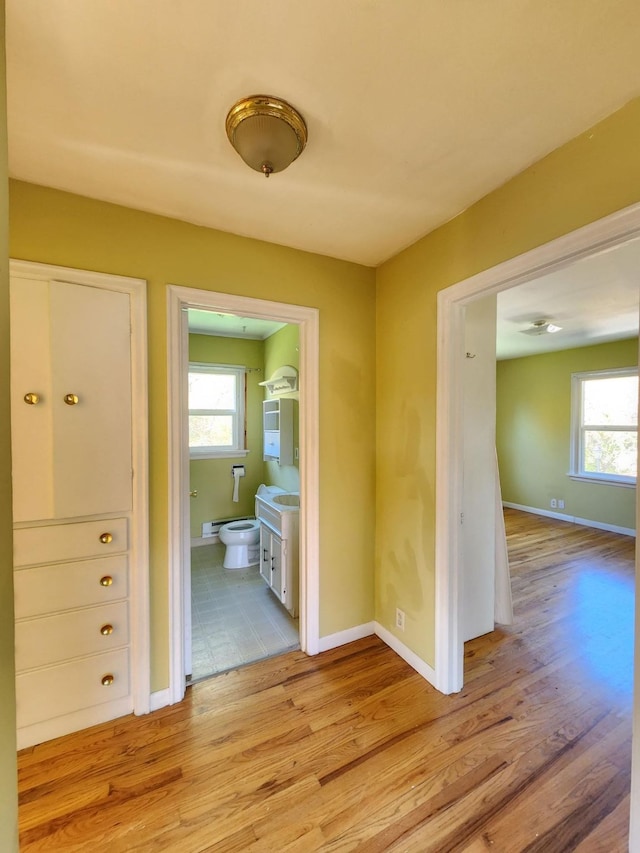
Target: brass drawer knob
(106,630)
(32,399)
(107,680)
(70,399)
(106,580)
(105,538)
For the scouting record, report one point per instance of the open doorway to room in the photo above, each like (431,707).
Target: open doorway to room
(603,236)
(228,496)
(241,609)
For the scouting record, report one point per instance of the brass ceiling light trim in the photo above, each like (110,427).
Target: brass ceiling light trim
(267,132)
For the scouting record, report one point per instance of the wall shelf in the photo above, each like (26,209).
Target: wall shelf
(283,381)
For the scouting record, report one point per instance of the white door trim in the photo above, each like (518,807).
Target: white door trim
(607,233)
(179,299)
(139,551)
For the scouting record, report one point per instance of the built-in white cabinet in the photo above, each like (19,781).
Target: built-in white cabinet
(73,501)
(277,419)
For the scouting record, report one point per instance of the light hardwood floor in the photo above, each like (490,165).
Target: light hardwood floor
(352,750)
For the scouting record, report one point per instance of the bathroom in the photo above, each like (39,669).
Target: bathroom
(235,617)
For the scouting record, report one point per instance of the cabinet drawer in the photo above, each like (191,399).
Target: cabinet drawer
(268,515)
(57,542)
(66,586)
(51,639)
(43,694)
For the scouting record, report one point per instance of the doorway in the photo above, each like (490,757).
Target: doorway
(235,617)
(180,300)
(608,233)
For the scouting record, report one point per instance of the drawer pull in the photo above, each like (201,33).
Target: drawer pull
(32,399)
(107,680)
(106,580)
(71,399)
(106,630)
(105,538)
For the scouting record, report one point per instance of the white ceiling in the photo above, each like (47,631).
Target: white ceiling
(415,109)
(594,300)
(230,326)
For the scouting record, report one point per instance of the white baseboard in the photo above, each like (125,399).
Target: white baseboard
(197,541)
(585,522)
(341,638)
(160,699)
(422,668)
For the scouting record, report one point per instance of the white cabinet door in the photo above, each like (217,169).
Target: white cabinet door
(70,350)
(271,561)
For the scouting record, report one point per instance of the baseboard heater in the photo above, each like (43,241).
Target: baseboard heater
(212,528)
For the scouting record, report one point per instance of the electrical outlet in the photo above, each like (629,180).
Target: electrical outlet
(560,503)
(399,619)
(554,503)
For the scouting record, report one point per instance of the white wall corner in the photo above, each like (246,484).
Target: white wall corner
(420,666)
(350,635)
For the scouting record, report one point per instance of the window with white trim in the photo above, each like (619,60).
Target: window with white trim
(604,434)
(216,410)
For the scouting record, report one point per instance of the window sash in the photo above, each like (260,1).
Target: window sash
(237,414)
(580,429)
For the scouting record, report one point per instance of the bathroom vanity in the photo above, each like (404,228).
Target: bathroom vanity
(278,513)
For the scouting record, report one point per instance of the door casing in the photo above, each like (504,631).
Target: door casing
(180,299)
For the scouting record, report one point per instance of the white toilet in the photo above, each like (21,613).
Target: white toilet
(242,540)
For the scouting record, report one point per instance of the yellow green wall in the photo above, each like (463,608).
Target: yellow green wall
(592,176)
(60,228)
(533,429)
(281,349)
(8,772)
(212,477)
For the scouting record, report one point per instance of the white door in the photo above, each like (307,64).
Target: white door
(479,473)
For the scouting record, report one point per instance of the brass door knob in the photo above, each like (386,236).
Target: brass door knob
(107,680)
(106,630)
(105,538)
(32,399)
(70,399)
(106,580)
(193,494)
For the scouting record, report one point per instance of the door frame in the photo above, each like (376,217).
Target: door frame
(607,233)
(179,300)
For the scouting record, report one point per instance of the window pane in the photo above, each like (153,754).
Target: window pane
(210,430)
(212,391)
(611,401)
(610,452)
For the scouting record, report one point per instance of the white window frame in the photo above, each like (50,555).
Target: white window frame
(238,413)
(576,471)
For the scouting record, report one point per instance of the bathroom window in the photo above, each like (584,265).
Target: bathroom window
(604,435)
(216,410)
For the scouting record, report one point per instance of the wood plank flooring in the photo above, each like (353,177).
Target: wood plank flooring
(353,751)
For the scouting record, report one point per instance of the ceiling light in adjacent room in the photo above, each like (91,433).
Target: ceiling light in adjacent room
(541,327)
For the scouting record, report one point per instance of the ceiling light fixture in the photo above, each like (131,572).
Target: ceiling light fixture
(541,327)
(267,133)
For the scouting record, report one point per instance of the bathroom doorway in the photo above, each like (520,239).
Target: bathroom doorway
(235,617)
(180,301)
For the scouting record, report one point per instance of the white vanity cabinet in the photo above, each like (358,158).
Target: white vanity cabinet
(279,548)
(74,519)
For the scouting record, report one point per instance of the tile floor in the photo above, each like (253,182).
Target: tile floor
(235,619)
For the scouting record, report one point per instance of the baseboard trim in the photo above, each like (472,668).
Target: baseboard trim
(197,541)
(422,668)
(160,699)
(341,638)
(585,522)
